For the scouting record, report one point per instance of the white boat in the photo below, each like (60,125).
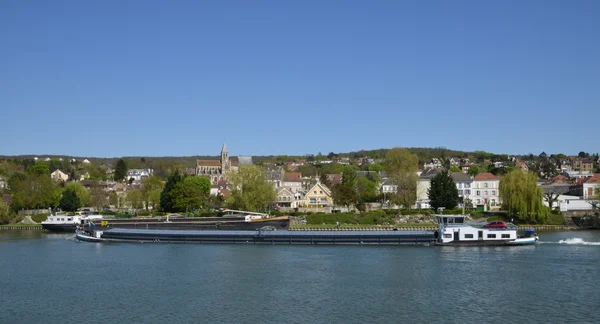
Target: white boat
(452,230)
(60,222)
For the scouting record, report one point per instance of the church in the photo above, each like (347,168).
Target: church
(216,170)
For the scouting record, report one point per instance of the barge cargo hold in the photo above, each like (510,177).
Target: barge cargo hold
(261,237)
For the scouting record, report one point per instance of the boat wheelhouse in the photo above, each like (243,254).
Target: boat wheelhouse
(452,230)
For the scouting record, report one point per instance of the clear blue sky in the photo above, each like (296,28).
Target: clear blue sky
(156,78)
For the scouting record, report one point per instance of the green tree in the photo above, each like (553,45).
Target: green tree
(35,191)
(120,170)
(191,193)
(40,167)
(113,199)
(443,191)
(69,201)
(344,195)
(522,197)
(367,189)
(82,193)
(250,189)
(135,199)
(166,202)
(5,213)
(474,171)
(98,198)
(151,189)
(455,169)
(401,166)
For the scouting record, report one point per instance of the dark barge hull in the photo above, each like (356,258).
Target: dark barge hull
(264,237)
(63,228)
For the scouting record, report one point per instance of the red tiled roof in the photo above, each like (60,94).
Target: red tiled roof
(593,179)
(485,176)
(292,177)
(334,178)
(208,162)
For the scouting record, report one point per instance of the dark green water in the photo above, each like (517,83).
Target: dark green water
(49,278)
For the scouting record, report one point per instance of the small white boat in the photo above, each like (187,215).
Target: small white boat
(452,230)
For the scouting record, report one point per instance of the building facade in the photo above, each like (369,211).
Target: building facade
(485,193)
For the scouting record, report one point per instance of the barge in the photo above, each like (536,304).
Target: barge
(260,237)
(452,230)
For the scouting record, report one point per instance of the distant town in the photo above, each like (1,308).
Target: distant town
(308,183)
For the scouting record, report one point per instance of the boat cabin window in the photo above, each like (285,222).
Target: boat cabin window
(468,235)
(491,236)
(505,235)
(447,235)
(453,220)
(69,219)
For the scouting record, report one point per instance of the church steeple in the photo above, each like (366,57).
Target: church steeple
(224,157)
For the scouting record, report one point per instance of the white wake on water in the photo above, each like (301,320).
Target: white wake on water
(574,241)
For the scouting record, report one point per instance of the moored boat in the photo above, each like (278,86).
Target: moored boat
(452,230)
(60,222)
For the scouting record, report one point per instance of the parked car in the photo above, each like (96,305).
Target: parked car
(497,224)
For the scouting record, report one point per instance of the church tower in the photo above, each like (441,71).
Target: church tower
(225,158)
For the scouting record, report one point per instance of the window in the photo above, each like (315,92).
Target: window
(505,235)
(478,193)
(485,184)
(468,235)
(493,202)
(315,192)
(460,185)
(491,236)
(467,185)
(321,191)
(478,201)
(485,192)
(460,192)
(69,219)
(313,200)
(493,192)
(477,186)
(467,192)
(447,235)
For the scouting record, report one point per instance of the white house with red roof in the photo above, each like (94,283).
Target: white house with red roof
(292,181)
(591,187)
(485,193)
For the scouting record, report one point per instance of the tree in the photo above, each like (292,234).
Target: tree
(474,171)
(443,191)
(191,193)
(551,193)
(331,155)
(35,191)
(120,170)
(401,166)
(151,189)
(69,201)
(521,196)
(134,199)
(98,198)
(113,199)
(5,213)
(40,167)
(325,180)
(454,168)
(82,193)
(344,195)
(583,154)
(366,189)
(250,189)
(166,203)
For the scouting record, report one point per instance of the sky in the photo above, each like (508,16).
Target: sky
(178,78)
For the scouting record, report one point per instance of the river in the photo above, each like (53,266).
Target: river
(50,278)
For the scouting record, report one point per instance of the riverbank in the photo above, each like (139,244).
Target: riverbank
(22,227)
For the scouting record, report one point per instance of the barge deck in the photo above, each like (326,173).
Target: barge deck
(261,237)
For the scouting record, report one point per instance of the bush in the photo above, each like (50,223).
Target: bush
(555,219)
(39,218)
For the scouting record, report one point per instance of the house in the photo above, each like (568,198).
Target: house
(453,161)
(463,184)
(388,186)
(86,161)
(286,199)
(485,193)
(560,179)
(2,183)
(591,187)
(275,176)
(521,165)
(432,164)
(139,174)
(423,185)
(190,171)
(292,181)
(586,165)
(334,178)
(47,159)
(84,176)
(318,196)
(59,175)
(578,174)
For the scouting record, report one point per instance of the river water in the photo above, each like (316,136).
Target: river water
(50,278)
